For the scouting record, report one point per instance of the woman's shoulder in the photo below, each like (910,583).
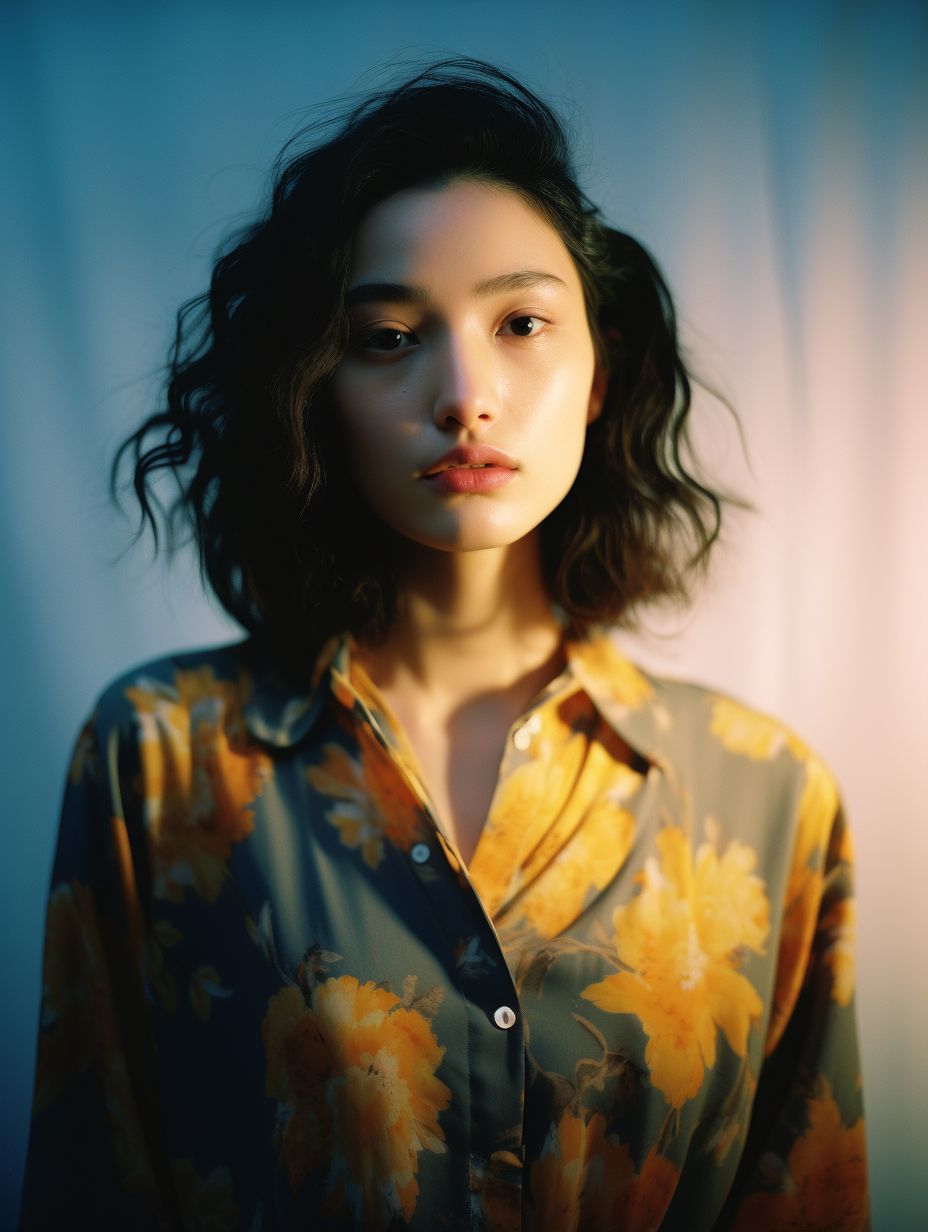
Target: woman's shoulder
(218,676)
(682,720)
(737,726)
(716,739)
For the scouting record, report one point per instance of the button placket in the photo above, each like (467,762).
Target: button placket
(496,1049)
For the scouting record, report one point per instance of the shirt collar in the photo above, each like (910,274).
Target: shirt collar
(624,695)
(279,713)
(277,710)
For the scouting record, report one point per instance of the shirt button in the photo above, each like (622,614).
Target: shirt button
(504,1017)
(522,737)
(420,853)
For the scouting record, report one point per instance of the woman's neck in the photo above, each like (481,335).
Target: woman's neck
(469,624)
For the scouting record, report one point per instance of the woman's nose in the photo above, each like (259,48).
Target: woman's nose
(466,394)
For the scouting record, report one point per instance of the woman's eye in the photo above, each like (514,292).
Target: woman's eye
(525,326)
(384,341)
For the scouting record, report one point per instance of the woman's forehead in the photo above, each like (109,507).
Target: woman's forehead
(467,232)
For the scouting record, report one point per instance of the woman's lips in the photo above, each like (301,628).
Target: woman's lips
(470,468)
(469,478)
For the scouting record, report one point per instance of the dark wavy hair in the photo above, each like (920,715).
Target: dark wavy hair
(264,481)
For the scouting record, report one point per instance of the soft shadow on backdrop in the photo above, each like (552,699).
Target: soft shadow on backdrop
(772,157)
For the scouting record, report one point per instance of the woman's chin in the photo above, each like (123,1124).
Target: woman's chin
(466,536)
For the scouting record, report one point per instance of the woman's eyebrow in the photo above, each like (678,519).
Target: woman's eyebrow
(385,292)
(401,293)
(518,280)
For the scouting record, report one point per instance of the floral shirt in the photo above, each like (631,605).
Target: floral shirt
(275,998)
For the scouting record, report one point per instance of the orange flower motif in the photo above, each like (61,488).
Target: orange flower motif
(586,1180)
(75,1003)
(496,1192)
(80,1031)
(200,774)
(355,1070)
(745,731)
(644,1203)
(371,800)
(841,921)
(679,940)
(557,1176)
(828,1179)
(817,808)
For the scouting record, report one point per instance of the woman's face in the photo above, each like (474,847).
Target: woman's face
(470,375)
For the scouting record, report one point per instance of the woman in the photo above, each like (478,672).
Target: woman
(422,907)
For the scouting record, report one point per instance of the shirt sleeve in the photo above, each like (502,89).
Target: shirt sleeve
(95,1155)
(804,1164)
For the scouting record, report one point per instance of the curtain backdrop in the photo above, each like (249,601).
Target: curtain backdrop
(772,156)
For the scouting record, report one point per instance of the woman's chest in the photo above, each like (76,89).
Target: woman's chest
(587,998)
(383,1034)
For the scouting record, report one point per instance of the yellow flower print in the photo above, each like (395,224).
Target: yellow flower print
(355,1070)
(80,1030)
(558,829)
(200,775)
(527,802)
(587,1180)
(841,921)
(602,659)
(78,1017)
(371,800)
(827,1179)
(679,939)
(818,806)
(745,731)
(585,863)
